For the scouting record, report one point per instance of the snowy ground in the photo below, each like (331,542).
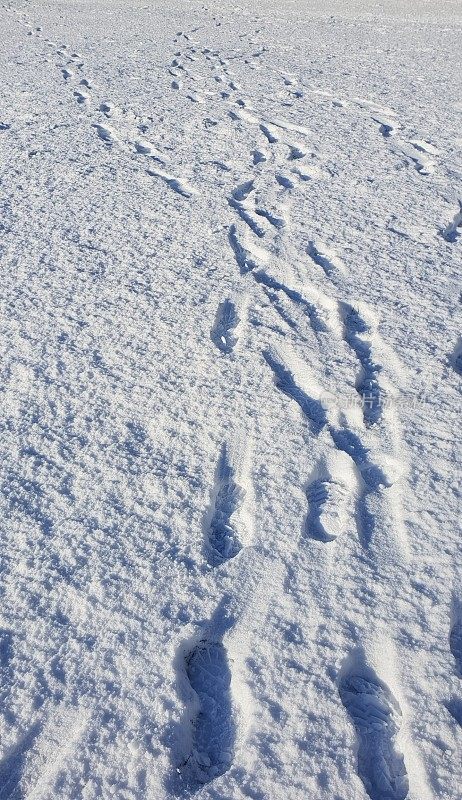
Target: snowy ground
(231,375)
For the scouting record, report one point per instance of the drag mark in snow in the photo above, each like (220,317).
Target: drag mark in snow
(312,409)
(237,202)
(278,307)
(209,675)
(223,333)
(222,539)
(453,231)
(376,717)
(367,384)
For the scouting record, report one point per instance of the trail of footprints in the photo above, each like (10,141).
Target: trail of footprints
(335,496)
(120,128)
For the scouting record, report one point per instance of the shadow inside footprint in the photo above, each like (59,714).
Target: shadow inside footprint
(223,539)
(223,333)
(455,643)
(208,673)
(376,715)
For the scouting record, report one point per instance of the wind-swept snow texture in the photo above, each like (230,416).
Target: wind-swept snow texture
(231,239)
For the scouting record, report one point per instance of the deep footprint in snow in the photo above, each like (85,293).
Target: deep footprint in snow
(456,356)
(209,674)
(454,229)
(315,318)
(325,519)
(223,541)
(312,409)
(455,643)
(105,134)
(223,333)
(376,716)
(81,97)
(325,258)
(177,186)
(243,257)
(357,336)
(270,134)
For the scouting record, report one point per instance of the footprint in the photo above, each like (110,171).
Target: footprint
(147,149)
(453,231)
(284,181)
(421,161)
(456,356)
(376,717)
(242,192)
(387,126)
(222,539)
(275,221)
(105,134)
(106,108)
(243,257)
(223,333)
(258,157)
(331,497)
(270,135)
(455,643)
(424,147)
(372,478)
(311,409)
(454,706)
(357,336)
(81,97)
(325,258)
(178,186)
(195,98)
(213,730)
(295,153)
(316,321)
(67,74)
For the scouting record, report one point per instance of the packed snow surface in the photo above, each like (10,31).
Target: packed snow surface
(231,371)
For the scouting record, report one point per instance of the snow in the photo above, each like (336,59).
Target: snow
(231,362)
